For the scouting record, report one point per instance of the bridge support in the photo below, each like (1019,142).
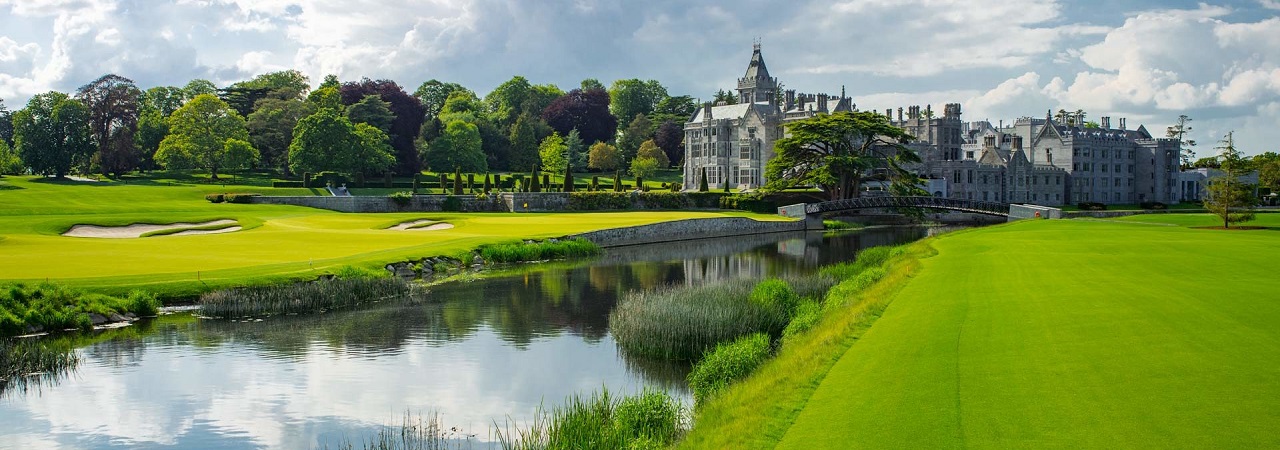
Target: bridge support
(797,211)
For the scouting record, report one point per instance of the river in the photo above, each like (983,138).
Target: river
(492,351)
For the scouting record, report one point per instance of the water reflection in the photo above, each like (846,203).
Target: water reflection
(494,348)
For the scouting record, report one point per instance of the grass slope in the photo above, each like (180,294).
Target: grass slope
(278,243)
(1067,334)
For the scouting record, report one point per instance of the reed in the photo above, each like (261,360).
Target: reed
(651,419)
(27,364)
(316,296)
(727,363)
(539,251)
(682,323)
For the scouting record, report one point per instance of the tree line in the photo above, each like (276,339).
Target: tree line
(277,121)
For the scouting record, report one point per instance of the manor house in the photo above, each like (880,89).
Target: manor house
(1042,161)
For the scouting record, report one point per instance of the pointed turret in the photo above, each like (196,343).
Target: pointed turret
(757,86)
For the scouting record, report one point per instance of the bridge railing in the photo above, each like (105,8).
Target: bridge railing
(975,206)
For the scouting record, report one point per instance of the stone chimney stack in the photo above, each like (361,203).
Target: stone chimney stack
(706,111)
(900,114)
(1122,123)
(800,102)
(822,102)
(1106,122)
(790,99)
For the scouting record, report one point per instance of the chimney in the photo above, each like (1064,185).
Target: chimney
(900,114)
(888,112)
(822,102)
(791,99)
(800,104)
(1106,122)
(706,111)
(1122,123)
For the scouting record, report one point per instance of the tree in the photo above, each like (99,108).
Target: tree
(628,98)
(726,97)
(638,131)
(327,95)
(52,133)
(1186,150)
(1210,162)
(702,181)
(670,138)
(526,134)
(587,111)
(1226,196)
(678,109)
(373,111)
(284,84)
(409,115)
(198,137)
(591,83)
(604,157)
(650,150)
(10,162)
(271,128)
(153,127)
(6,125)
(458,147)
(196,88)
(1268,166)
(833,151)
(164,99)
(552,153)
(575,151)
(433,94)
(114,103)
(328,141)
(643,167)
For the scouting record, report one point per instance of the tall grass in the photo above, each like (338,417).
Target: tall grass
(867,258)
(26,364)
(414,433)
(728,363)
(539,251)
(682,323)
(48,306)
(316,296)
(649,420)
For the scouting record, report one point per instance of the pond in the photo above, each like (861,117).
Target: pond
(491,353)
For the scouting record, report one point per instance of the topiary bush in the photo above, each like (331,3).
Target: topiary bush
(727,363)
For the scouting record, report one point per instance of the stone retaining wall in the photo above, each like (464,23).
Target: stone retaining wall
(680,230)
(1018,212)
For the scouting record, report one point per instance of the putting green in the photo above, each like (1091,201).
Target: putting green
(1068,333)
(277,242)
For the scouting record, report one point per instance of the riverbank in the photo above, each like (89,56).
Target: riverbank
(1036,334)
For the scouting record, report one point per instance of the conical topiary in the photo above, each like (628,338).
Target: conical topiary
(457,181)
(702,181)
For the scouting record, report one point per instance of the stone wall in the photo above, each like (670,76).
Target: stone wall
(385,204)
(688,229)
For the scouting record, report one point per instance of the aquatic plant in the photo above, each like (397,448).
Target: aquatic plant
(310,297)
(683,322)
(727,363)
(29,363)
(539,251)
(651,419)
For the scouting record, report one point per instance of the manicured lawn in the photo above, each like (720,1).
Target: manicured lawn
(1263,219)
(1066,334)
(279,243)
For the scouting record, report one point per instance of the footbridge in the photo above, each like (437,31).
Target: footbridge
(814,211)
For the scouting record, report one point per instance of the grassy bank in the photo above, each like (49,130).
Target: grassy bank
(1093,334)
(279,244)
(48,307)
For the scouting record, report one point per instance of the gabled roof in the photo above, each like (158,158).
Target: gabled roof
(756,69)
(736,111)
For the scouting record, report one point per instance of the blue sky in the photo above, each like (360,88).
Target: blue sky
(1218,62)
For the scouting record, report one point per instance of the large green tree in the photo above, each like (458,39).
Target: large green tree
(459,147)
(153,127)
(10,162)
(373,111)
(575,151)
(834,151)
(196,88)
(649,149)
(328,141)
(433,94)
(526,134)
(271,128)
(640,129)
(200,135)
(1179,130)
(6,124)
(164,99)
(1227,196)
(114,104)
(552,154)
(327,95)
(604,157)
(1268,166)
(631,97)
(52,134)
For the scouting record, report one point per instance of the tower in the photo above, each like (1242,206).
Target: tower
(757,86)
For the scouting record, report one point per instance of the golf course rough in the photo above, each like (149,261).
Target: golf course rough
(1067,333)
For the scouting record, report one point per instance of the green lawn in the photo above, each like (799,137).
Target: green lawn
(1066,334)
(279,243)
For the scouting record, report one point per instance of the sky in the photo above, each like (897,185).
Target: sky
(1148,61)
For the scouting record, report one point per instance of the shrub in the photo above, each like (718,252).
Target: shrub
(1091,206)
(142,303)
(776,296)
(683,322)
(1153,205)
(451,203)
(726,364)
(215,198)
(401,198)
(750,202)
(288,184)
(52,307)
(360,272)
(839,225)
(598,201)
(334,179)
(650,420)
(240,198)
(807,315)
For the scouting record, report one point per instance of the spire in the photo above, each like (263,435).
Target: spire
(757,86)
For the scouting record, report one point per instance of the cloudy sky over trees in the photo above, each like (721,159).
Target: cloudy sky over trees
(1150,61)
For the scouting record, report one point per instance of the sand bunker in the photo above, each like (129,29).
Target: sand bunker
(138,229)
(422,225)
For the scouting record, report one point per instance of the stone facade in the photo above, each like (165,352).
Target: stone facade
(735,142)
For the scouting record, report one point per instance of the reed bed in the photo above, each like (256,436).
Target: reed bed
(650,420)
(727,363)
(682,323)
(309,297)
(539,251)
(414,433)
(27,364)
